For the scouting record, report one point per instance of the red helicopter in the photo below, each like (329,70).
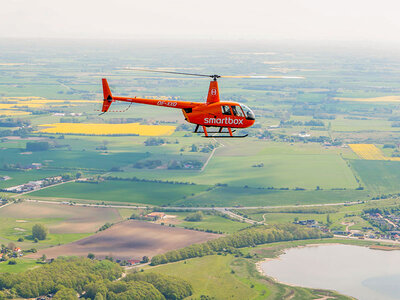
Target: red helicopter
(212,113)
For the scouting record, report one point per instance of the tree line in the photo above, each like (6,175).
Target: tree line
(66,278)
(247,237)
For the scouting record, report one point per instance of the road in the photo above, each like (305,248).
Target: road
(211,155)
(236,216)
(198,208)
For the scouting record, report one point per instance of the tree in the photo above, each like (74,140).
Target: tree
(43,258)
(12,262)
(11,246)
(328,219)
(91,256)
(66,294)
(145,259)
(39,231)
(98,297)
(195,217)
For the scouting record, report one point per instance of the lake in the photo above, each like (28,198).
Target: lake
(355,271)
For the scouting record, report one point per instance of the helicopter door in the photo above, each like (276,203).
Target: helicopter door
(237,111)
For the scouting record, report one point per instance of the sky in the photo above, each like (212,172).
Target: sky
(318,20)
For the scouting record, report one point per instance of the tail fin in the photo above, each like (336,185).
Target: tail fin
(213,93)
(107,96)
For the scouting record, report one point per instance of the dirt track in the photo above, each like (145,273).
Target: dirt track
(129,240)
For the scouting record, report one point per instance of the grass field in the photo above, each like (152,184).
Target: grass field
(379,176)
(192,195)
(305,166)
(22,265)
(231,196)
(208,275)
(20,177)
(70,159)
(211,222)
(124,191)
(108,129)
(227,277)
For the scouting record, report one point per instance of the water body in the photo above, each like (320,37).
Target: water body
(355,271)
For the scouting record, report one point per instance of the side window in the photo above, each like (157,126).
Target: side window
(237,111)
(226,110)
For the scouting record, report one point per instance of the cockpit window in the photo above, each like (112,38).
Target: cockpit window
(248,112)
(226,110)
(237,111)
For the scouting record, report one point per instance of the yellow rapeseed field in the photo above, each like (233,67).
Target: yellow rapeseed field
(13,112)
(108,129)
(17,103)
(370,152)
(376,99)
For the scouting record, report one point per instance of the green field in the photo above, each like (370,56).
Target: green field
(70,159)
(123,191)
(232,196)
(208,275)
(210,222)
(284,165)
(20,177)
(22,265)
(12,229)
(227,277)
(381,177)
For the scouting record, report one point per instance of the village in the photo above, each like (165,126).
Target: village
(34,185)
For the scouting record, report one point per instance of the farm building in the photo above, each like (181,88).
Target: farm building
(156,215)
(132,262)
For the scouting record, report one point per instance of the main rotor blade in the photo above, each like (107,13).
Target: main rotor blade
(168,72)
(262,76)
(216,76)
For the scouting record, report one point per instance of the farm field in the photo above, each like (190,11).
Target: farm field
(65,223)
(281,166)
(380,177)
(108,129)
(20,177)
(370,152)
(192,195)
(209,222)
(394,98)
(134,192)
(233,196)
(21,266)
(129,239)
(64,160)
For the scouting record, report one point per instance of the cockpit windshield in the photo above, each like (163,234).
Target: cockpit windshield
(248,112)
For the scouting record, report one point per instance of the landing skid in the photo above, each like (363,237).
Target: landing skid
(216,133)
(225,136)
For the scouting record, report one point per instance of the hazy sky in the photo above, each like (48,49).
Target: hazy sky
(359,20)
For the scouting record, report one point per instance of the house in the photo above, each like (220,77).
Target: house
(132,262)
(156,215)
